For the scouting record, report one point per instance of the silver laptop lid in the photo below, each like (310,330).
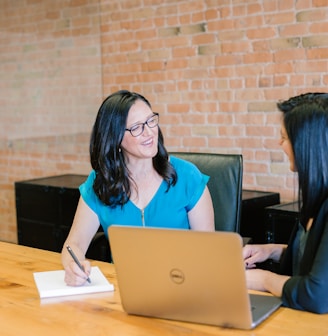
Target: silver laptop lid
(182,275)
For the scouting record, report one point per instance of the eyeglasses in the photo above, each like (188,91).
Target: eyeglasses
(138,129)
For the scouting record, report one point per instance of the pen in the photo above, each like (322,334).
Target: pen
(76,260)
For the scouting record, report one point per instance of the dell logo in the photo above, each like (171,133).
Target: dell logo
(177,276)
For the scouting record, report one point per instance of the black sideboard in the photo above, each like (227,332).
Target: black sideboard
(280,220)
(253,220)
(45,209)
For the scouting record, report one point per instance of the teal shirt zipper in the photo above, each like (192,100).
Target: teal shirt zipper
(143,217)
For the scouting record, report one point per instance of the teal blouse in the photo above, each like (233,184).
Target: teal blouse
(167,209)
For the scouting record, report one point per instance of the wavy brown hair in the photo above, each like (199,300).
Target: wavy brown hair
(113,181)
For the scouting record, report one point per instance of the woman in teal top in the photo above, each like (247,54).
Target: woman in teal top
(168,208)
(133,181)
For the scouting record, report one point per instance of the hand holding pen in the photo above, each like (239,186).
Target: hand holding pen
(76,260)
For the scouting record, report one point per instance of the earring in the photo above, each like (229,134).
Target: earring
(119,150)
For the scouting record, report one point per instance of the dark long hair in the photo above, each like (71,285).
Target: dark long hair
(113,183)
(306,122)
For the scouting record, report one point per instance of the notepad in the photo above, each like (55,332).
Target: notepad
(52,284)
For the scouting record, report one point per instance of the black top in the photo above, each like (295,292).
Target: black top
(309,290)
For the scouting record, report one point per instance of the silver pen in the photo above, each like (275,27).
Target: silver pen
(76,260)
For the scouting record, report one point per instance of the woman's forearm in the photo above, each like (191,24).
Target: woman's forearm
(265,281)
(274,283)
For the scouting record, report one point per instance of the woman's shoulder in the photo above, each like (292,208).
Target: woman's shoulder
(186,169)
(179,163)
(90,178)
(87,186)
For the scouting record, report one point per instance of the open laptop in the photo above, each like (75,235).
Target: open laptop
(186,275)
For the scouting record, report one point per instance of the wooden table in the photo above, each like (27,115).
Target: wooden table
(22,312)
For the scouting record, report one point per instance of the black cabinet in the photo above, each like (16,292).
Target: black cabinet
(253,223)
(45,210)
(280,221)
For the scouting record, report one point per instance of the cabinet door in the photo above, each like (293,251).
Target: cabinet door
(45,212)
(44,215)
(253,214)
(280,226)
(37,203)
(37,234)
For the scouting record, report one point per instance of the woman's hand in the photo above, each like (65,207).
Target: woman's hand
(259,279)
(74,276)
(254,254)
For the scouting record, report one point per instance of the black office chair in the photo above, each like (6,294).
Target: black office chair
(99,248)
(225,185)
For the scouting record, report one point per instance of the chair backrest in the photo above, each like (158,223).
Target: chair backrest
(225,185)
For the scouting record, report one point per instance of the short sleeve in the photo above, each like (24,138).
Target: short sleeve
(87,192)
(191,181)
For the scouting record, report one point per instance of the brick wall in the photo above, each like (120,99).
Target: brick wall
(213,69)
(215,72)
(33,158)
(50,90)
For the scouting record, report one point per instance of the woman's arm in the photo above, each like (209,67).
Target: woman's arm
(262,280)
(84,227)
(201,217)
(265,281)
(309,291)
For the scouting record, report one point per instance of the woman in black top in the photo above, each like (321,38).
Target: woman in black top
(303,280)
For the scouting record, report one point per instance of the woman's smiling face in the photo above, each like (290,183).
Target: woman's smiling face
(144,145)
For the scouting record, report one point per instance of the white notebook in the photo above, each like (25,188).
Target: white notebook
(52,284)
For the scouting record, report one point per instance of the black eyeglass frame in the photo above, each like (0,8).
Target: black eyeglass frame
(155,114)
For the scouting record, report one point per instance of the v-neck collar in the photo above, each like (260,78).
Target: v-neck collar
(162,185)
